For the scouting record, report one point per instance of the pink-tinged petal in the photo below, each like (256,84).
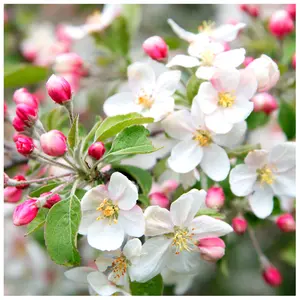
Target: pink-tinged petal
(132,221)
(215,162)
(227,32)
(93,198)
(247,85)
(185,156)
(226,80)
(207,98)
(185,61)
(230,59)
(217,122)
(242,180)
(256,159)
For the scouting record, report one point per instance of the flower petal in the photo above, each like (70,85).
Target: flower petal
(158,221)
(183,34)
(104,261)
(87,219)
(79,274)
(132,250)
(204,72)
(227,32)
(132,221)
(184,209)
(261,201)
(179,125)
(256,159)
(205,226)
(101,285)
(215,162)
(207,98)
(167,83)
(217,122)
(239,111)
(247,85)
(242,180)
(226,80)
(93,198)
(285,183)
(230,59)
(185,156)
(122,191)
(183,61)
(160,108)
(153,259)
(104,236)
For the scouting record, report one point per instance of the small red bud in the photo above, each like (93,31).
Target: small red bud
(24,144)
(211,249)
(52,200)
(54,143)
(264,102)
(272,276)
(96,150)
(21,178)
(23,96)
(291,9)
(239,225)
(59,89)
(156,48)
(25,212)
(12,194)
(26,113)
(159,199)
(215,198)
(281,24)
(286,223)
(18,124)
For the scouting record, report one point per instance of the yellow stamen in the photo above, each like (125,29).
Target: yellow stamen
(207,58)
(265,175)
(226,99)
(203,137)
(119,267)
(108,210)
(145,99)
(183,240)
(206,26)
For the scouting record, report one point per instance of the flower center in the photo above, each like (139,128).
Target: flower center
(145,99)
(207,58)
(119,266)
(206,26)
(203,137)
(183,240)
(108,211)
(265,175)
(226,99)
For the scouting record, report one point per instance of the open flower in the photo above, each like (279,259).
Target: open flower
(209,56)
(150,97)
(225,100)
(264,175)
(110,213)
(198,144)
(223,33)
(175,235)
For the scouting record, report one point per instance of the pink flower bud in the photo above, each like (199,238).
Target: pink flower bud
(25,212)
(286,223)
(52,200)
(169,186)
(74,81)
(23,96)
(294,61)
(215,197)
(58,89)
(156,48)
(24,144)
(21,178)
(291,9)
(248,60)
(18,124)
(27,113)
(68,63)
(211,249)
(12,194)
(62,34)
(54,143)
(96,150)
(159,199)
(251,10)
(264,102)
(272,276)
(239,225)
(281,24)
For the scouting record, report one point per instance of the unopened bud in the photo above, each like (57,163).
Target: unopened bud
(27,113)
(51,200)
(25,212)
(215,198)
(53,143)
(68,63)
(281,24)
(272,276)
(291,9)
(18,124)
(211,249)
(24,144)
(286,223)
(96,150)
(59,89)
(12,194)
(264,102)
(23,96)
(239,225)
(156,48)
(21,178)
(159,199)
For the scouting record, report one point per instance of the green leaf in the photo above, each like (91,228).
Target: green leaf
(113,125)
(257,119)
(141,176)
(160,167)
(73,134)
(38,221)
(153,287)
(289,255)
(43,189)
(173,42)
(289,48)
(132,140)
(133,16)
(55,119)
(21,75)
(287,119)
(210,212)
(192,87)
(61,232)
(144,200)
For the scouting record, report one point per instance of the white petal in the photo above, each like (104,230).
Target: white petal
(283,156)
(234,137)
(183,61)
(230,59)
(153,259)
(104,236)
(93,198)
(185,156)
(215,162)
(205,226)
(184,209)
(183,34)
(198,116)
(256,159)
(145,161)
(132,221)
(119,104)
(261,201)
(239,111)
(132,250)
(110,12)
(242,180)
(285,183)
(207,98)
(167,83)
(184,261)
(247,85)
(217,122)
(104,261)
(140,76)
(87,219)
(189,179)
(79,274)
(76,32)
(161,108)
(101,285)
(179,125)
(227,32)
(206,73)
(122,191)
(226,80)
(158,221)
